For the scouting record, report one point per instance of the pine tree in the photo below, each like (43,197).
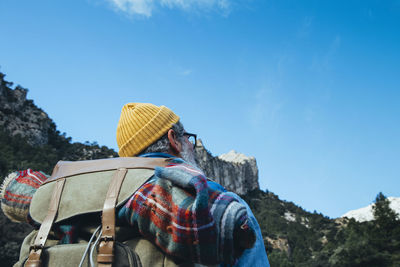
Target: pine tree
(385,218)
(385,235)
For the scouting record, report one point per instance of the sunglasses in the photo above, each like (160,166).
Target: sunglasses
(192,138)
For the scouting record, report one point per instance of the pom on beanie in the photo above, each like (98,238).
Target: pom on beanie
(140,125)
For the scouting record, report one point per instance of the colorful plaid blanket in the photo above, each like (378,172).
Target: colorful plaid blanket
(185,218)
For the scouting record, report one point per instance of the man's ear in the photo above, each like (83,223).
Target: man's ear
(176,146)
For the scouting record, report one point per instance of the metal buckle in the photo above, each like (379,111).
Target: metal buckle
(106,238)
(36,247)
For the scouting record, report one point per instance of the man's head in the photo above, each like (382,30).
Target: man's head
(146,128)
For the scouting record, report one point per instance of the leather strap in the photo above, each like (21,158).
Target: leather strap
(44,230)
(105,256)
(65,169)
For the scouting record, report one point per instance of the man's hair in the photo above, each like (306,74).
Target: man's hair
(162,144)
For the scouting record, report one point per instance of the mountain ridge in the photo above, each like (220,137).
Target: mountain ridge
(365,214)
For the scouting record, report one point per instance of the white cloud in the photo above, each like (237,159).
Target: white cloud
(145,8)
(139,7)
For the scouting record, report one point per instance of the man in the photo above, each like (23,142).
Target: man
(146,130)
(178,209)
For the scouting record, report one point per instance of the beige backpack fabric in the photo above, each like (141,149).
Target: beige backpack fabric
(86,190)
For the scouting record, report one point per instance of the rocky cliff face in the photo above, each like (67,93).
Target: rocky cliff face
(235,171)
(20,116)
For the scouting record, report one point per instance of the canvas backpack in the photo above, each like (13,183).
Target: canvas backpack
(88,193)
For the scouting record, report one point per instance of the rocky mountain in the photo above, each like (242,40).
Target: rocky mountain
(20,116)
(235,171)
(365,214)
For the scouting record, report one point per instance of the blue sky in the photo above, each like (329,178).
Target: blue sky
(310,88)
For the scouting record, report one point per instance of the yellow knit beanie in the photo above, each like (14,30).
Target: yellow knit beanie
(140,125)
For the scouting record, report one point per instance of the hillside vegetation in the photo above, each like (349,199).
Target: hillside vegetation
(293,236)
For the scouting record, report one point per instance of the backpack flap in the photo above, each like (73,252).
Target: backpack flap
(85,193)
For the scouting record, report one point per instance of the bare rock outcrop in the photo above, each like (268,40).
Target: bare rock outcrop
(235,171)
(20,116)
(281,244)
